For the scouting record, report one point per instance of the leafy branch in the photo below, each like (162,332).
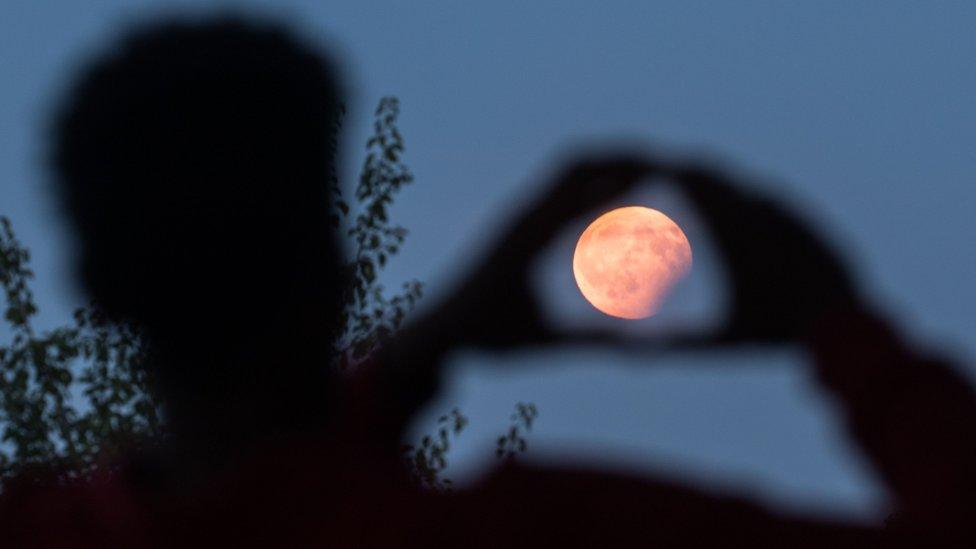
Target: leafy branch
(370,316)
(513,442)
(43,423)
(427,460)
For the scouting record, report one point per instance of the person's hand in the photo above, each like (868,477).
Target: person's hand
(495,307)
(782,276)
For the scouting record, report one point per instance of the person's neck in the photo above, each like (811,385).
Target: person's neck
(220,413)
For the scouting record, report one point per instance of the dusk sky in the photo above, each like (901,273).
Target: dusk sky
(863,112)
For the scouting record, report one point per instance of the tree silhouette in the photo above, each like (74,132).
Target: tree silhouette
(370,316)
(74,396)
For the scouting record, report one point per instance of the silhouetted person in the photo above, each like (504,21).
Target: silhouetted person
(194,160)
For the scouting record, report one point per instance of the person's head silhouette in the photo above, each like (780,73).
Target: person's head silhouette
(195,160)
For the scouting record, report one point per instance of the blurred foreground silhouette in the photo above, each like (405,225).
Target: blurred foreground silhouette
(194,165)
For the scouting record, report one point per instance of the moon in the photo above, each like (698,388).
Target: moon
(627,261)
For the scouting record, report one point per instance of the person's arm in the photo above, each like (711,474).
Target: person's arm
(912,414)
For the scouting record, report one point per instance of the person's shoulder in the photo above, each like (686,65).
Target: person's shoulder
(40,507)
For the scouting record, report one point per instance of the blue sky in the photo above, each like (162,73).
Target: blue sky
(862,111)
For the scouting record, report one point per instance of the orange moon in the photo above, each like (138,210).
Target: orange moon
(627,261)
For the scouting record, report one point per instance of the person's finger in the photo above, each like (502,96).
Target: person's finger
(585,186)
